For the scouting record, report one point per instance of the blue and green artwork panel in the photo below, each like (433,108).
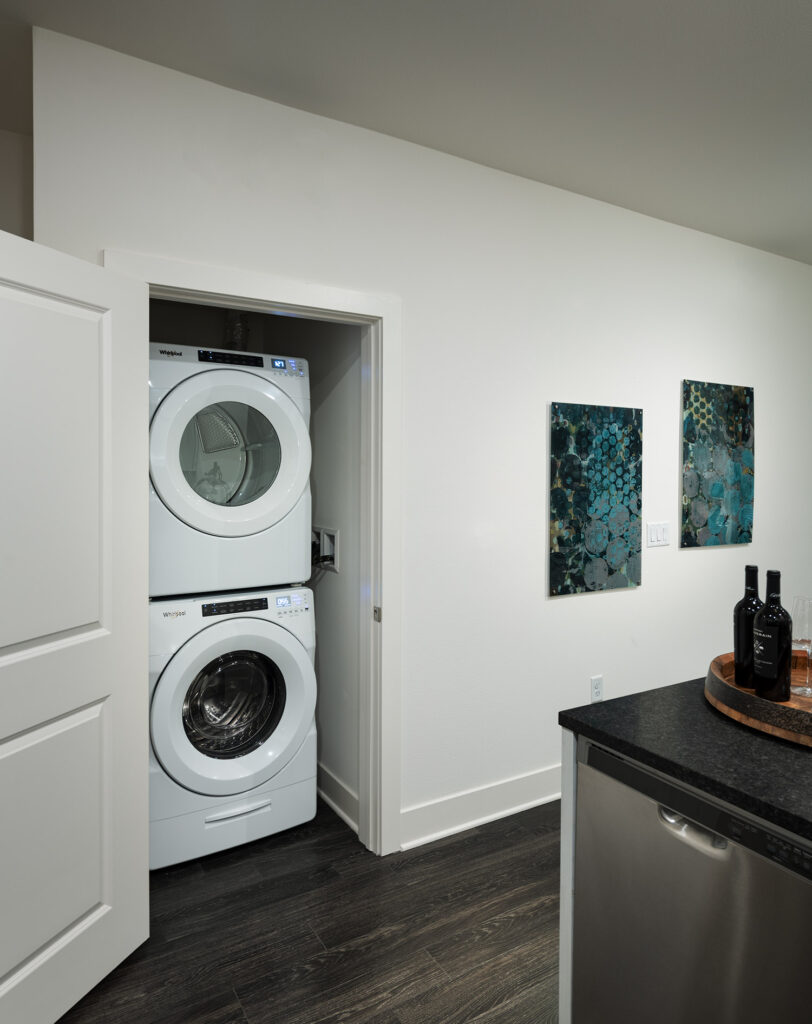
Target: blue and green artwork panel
(596,477)
(717,464)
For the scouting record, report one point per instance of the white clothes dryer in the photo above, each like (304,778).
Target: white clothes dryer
(232,720)
(229,458)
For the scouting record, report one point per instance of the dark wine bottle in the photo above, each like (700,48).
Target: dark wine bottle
(743,614)
(772,644)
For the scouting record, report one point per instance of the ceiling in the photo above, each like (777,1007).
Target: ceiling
(698,112)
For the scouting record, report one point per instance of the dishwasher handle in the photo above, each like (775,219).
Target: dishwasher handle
(697,836)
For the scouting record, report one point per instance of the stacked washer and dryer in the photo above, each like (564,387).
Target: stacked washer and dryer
(232,632)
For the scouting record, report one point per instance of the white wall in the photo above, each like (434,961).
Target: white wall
(16,184)
(514,294)
(334,353)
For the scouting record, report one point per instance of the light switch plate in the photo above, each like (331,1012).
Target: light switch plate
(658,535)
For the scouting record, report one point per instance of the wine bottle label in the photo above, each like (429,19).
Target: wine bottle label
(765,651)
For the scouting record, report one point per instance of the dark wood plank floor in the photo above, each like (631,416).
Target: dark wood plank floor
(308,927)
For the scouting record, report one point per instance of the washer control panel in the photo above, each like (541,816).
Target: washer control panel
(230,607)
(291,604)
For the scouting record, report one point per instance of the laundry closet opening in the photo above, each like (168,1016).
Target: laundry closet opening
(334,352)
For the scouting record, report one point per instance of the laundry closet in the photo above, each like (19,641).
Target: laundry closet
(325,358)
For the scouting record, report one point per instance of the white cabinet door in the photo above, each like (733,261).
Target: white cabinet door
(73,627)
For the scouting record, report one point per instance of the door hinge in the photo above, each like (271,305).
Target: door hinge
(376,613)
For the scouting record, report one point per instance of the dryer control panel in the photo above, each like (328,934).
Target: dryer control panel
(209,355)
(285,366)
(288,366)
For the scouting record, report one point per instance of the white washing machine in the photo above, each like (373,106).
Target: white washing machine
(232,720)
(229,456)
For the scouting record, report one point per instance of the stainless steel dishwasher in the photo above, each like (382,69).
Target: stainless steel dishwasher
(686,910)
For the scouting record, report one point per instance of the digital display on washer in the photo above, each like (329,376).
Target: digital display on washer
(229,607)
(279,364)
(232,358)
(283,602)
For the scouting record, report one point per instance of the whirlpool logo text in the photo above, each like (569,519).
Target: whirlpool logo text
(170,352)
(174,615)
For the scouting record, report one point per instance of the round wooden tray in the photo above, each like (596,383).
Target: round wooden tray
(791,720)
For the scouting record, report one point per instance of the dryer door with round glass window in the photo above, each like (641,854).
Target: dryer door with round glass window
(233,706)
(229,453)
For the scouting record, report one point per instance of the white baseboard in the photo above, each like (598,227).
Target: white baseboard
(338,796)
(435,819)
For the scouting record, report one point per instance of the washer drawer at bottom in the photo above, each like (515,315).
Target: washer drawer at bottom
(189,836)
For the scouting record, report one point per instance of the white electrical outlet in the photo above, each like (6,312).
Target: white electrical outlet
(595,688)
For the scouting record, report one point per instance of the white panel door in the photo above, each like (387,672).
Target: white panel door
(73,627)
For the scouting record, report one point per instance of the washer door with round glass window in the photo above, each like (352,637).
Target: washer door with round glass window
(229,453)
(233,706)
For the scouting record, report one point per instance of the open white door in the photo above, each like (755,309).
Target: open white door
(73,627)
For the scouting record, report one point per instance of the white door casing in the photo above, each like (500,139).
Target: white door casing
(380,316)
(73,628)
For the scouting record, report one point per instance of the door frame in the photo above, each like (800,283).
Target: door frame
(380,320)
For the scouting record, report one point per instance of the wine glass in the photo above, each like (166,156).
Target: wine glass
(801,646)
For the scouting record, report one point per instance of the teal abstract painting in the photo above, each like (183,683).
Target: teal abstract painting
(717,464)
(596,480)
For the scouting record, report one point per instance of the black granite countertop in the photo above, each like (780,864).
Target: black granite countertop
(676,731)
